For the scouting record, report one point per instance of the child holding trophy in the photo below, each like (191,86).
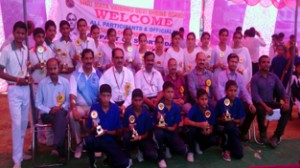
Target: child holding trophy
(104,121)
(230,115)
(137,125)
(200,121)
(166,119)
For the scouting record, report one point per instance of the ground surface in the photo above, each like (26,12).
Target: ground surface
(286,153)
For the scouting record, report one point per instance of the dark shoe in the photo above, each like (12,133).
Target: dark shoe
(244,137)
(62,160)
(263,138)
(274,142)
(94,166)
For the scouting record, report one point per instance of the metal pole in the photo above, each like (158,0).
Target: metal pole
(293,53)
(33,110)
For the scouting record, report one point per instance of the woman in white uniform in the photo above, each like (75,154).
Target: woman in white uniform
(142,46)
(131,53)
(190,52)
(175,52)
(160,55)
(245,66)
(205,48)
(107,48)
(220,53)
(98,56)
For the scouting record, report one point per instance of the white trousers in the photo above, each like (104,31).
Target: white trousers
(19,101)
(83,110)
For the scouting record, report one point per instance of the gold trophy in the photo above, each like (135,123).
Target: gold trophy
(227,113)
(96,122)
(134,132)
(161,122)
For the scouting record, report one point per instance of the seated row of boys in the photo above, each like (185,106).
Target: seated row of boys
(104,118)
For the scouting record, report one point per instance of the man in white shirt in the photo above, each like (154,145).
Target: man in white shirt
(149,80)
(120,79)
(253,45)
(84,87)
(52,100)
(13,61)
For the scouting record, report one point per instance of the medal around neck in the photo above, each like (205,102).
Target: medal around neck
(40,49)
(129,49)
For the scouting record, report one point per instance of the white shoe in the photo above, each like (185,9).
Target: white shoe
(17,165)
(162,164)
(198,150)
(98,154)
(26,157)
(78,151)
(130,163)
(140,156)
(54,152)
(190,157)
(168,153)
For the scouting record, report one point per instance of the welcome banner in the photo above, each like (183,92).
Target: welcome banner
(106,15)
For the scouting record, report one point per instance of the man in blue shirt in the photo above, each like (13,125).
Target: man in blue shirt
(202,78)
(104,121)
(232,74)
(166,119)
(138,125)
(52,100)
(263,85)
(84,86)
(230,115)
(200,121)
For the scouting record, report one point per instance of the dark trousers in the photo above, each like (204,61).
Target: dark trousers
(261,116)
(255,68)
(194,135)
(145,145)
(108,145)
(59,124)
(171,139)
(230,139)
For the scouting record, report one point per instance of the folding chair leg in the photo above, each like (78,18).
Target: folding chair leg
(254,134)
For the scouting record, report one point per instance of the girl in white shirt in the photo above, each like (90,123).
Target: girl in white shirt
(98,56)
(107,48)
(220,53)
(190,52)
(142,46)
(205,48)
(131,53)
(245,66)
(175,52)
(160,55)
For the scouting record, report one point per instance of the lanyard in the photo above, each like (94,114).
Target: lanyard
(37,56)
(149,82)
(119,86)
(20,63)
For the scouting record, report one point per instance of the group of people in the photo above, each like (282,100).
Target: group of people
(117,98)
